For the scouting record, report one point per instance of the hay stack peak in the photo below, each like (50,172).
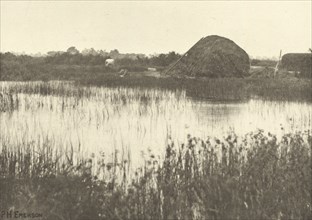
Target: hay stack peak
(212,56)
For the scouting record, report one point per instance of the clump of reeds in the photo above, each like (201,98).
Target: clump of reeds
(8,102)
(257,177)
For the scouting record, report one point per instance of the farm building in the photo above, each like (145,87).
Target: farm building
(212,56)
(298,62)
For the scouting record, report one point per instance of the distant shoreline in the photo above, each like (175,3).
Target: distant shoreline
(225,89)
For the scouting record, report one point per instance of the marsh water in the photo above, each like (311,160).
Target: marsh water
(102,120)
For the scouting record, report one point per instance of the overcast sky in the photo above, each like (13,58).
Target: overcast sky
(261,28)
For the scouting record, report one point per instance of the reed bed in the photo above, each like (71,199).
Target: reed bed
(69,89)
(51,164)
(8,102)
(229,89)
(105,119)
(256,178)
(97,118)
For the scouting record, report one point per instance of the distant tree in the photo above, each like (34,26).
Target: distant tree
(90,51)
(114,54)
(172,57)
(72,51)
(164,59)
(102,53)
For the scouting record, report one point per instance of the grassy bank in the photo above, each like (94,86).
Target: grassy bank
(256,178)
(90,70)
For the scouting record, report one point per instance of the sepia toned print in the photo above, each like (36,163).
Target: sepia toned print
(155,110)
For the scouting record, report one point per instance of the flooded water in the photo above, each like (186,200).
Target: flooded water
(102,120)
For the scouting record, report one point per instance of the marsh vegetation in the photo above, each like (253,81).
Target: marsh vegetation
(90,152)
(259,178)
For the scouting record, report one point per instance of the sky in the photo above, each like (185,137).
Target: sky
(262,29)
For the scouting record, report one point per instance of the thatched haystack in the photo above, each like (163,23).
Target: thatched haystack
(212,56)
(298,62)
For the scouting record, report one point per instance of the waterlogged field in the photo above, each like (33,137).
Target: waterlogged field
(132,121)
(96,153)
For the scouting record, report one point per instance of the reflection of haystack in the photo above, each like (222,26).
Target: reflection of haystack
(212,56)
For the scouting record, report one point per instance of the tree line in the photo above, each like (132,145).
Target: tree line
(73,62)
(94,57)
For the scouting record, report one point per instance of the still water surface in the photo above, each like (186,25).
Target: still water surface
(134,120)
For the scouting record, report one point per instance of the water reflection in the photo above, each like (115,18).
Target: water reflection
(133,120)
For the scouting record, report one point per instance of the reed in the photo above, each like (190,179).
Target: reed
(227,89)
(255,178)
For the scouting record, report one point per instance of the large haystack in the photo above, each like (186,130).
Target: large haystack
(298,62)
(212,56)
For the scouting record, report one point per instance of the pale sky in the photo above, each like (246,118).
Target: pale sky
(260,28)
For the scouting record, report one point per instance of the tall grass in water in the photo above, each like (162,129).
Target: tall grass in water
(8,102)
(279,89)
(68,89)
(255,178)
